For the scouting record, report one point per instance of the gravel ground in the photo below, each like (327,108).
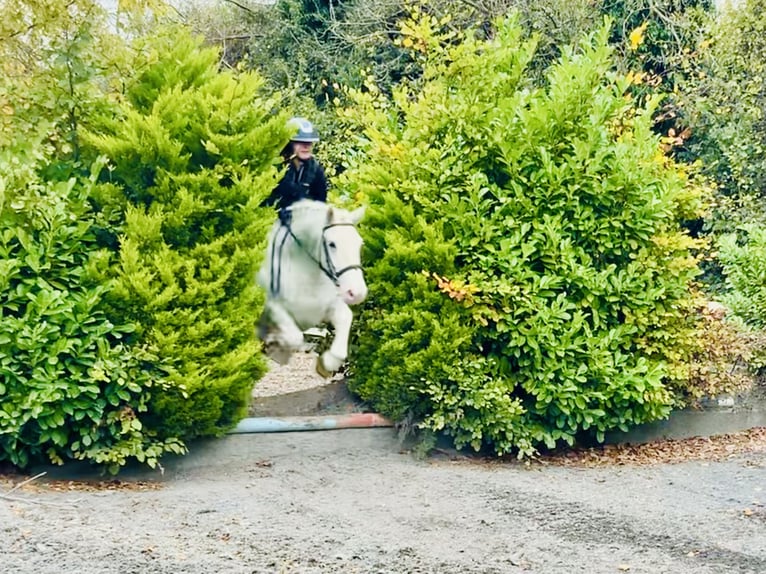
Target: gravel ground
(297,375)
(356,501)
(353,501)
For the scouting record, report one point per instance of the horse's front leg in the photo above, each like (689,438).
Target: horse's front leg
(289,337)
(332,359)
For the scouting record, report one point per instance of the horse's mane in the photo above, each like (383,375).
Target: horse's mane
(308,214)
(309,210)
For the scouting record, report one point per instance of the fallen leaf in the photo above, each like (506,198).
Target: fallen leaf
(703,449)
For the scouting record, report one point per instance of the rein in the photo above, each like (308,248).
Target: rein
(330,271)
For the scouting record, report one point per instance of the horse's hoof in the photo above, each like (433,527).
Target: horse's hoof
(321,370)
(327,364)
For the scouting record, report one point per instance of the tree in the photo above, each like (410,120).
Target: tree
(727,104)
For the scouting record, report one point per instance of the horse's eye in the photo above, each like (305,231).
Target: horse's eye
(331,245)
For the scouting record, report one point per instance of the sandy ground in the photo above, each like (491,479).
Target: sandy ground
(352,501)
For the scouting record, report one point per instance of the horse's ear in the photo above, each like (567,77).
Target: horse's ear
(357,215)
(330,214)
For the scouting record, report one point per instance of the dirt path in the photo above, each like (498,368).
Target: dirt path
(351,501)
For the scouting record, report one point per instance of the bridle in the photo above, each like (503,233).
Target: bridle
(329,269)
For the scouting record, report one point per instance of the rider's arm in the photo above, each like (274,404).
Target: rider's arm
(318,185)
(286,192)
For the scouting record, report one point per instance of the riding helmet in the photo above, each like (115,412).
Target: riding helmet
(305,130)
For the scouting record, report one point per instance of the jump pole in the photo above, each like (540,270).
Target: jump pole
(310,423)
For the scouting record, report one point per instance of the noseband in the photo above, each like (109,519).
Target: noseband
(329,270)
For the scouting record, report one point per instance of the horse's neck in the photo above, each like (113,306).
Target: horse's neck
(305,245)
(295,256)
(303,284)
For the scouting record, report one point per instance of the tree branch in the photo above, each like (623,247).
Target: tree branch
(7,495)
(242,7)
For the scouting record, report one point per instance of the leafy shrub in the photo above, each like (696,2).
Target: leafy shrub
(70,387)
(744,264)
(129,296)
(529,279)
(724,358)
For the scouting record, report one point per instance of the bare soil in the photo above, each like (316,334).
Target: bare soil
(295,389)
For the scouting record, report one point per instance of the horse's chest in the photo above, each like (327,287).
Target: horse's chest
(310,303)
(310,315)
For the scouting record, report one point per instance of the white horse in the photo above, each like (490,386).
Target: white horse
(311,273)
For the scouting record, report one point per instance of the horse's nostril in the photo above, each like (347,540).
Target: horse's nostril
(350,293)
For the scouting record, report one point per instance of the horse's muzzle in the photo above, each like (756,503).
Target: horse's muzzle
(353,292)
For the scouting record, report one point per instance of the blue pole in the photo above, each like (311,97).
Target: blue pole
(309,423)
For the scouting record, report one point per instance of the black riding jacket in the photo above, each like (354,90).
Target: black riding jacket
(306,180)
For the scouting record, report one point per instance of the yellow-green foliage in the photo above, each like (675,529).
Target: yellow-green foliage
(726,102)
(128,296)
(722,361)
(190,156)
(529,278)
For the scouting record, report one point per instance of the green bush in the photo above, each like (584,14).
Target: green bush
(190,153)
(70,387)
(744,265)
(529,279)
(725,357)
(128,296)
(743,259)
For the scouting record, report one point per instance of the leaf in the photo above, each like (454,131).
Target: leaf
(211,147)
(636,37)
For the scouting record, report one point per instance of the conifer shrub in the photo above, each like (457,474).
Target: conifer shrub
(191,153)
(127,288)
(529,279)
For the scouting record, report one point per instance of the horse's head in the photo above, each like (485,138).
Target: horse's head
(342,247)
(328,239)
